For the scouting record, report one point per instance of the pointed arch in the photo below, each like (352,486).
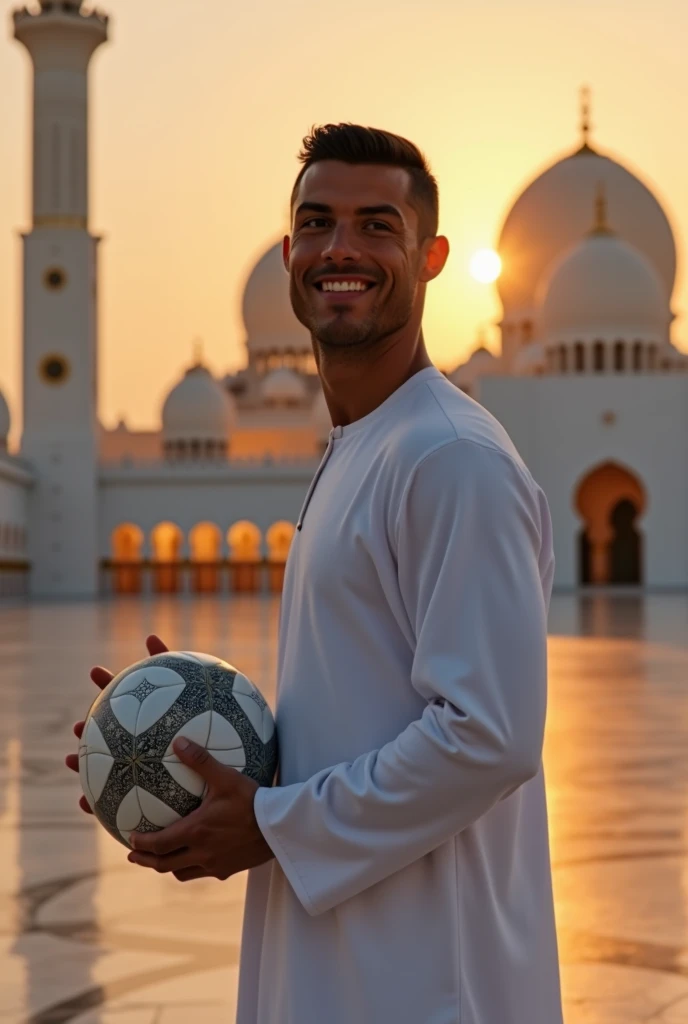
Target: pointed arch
(126,545)
(279,538)
(245,539)
(610,499)
(166,548)
(205,544)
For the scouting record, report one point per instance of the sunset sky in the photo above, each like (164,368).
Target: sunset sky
(198,110)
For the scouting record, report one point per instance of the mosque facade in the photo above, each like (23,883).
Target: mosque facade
(587,382)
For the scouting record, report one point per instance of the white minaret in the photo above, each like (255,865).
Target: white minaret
(60,354)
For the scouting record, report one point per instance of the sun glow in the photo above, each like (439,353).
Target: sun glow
(485,265)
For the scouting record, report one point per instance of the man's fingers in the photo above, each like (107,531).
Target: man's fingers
(79,729)
(84,805)
(180,861)
(72,761)
(188,873)
(155,645)
(101,676)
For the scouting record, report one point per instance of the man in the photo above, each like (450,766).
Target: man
(400,869)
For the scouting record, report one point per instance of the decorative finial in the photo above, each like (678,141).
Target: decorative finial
(198,351)
(585,125)
(601,226)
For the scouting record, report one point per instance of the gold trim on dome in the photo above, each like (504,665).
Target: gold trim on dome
(54,221)
(50,378)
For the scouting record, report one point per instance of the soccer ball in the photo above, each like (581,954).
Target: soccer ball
(129,772)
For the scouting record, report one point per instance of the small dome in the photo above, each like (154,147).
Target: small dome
(603,288)
(268,317)
(5,422)
(321,419)
(531,360)
(482,363)
(283,387)
(198,409)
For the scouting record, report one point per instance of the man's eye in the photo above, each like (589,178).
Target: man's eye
(314,222)
(378,224)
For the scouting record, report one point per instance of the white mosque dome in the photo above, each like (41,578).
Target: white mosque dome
(270,323)
(546,220)
(5,421)
(603,288)
(320,418)
(198,408)
(530,360)
(283,387)
(481,363)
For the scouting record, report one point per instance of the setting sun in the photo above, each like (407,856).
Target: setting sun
(485,265)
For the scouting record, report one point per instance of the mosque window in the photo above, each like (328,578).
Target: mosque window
(527,331)
(638,356)
(652,357)
(579,356)
(209,449)
(563,359)
(54,279)
(54,369)
(598,357)
(195,449)
(619,357)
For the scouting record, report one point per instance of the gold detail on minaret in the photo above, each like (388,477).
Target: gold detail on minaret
(585,125)
(198,352)
(60,221)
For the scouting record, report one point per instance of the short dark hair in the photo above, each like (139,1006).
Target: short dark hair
(354,144)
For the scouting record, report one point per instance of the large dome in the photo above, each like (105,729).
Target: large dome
(268,317)
(552,213)
(197,409)
(603,288)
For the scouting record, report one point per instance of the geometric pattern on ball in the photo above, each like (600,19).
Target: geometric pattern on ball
(129,772)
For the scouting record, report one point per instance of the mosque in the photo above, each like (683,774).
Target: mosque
(588,384)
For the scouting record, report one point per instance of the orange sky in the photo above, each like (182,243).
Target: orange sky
(198,110)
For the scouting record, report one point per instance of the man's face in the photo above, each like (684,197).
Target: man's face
(354,255)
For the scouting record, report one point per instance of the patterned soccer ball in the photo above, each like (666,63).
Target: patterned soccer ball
(129,773)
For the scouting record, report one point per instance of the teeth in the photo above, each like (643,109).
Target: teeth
(344,286)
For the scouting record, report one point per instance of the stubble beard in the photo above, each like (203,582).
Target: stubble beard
(342,340)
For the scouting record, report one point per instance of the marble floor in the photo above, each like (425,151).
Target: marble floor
(85,938)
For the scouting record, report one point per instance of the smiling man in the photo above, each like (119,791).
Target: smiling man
(400,868)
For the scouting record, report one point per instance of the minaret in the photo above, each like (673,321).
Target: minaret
(60,341)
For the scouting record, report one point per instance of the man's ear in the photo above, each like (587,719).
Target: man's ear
(436,255)
(286,249)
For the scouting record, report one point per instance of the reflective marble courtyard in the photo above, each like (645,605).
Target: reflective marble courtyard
(87,938)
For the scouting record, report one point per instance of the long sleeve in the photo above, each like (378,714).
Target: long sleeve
(474,566)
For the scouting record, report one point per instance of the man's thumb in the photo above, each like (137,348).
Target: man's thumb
(197,758)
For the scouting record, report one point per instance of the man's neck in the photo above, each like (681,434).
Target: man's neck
(353,390)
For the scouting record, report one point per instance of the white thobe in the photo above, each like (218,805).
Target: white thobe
(412,879)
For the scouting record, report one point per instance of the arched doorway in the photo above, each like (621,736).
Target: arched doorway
(166,544)
(279,538)
(126,543)
(205,542)
(244,540)
(610,500)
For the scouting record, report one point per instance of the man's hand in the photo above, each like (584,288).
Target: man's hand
(218,839)
(101,677)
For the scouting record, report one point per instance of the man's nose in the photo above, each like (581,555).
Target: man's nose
(341,245)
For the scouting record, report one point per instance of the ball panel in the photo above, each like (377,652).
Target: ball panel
(185,777)
(156,675)
(98,768)
(252,709)
(235,758)
(203,659)
(83,778)
(156,811)
(223,735)
(92,738)
(155,706)
(196,729)
(126,711)
(128,812)
(242,685)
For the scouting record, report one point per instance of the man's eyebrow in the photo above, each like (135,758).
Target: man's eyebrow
(362,211)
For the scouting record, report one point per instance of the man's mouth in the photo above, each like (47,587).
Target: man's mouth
(349,285)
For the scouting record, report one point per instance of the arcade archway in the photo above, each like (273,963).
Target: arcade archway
(610,500)
(127,544)
(279,538)
(244,539)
